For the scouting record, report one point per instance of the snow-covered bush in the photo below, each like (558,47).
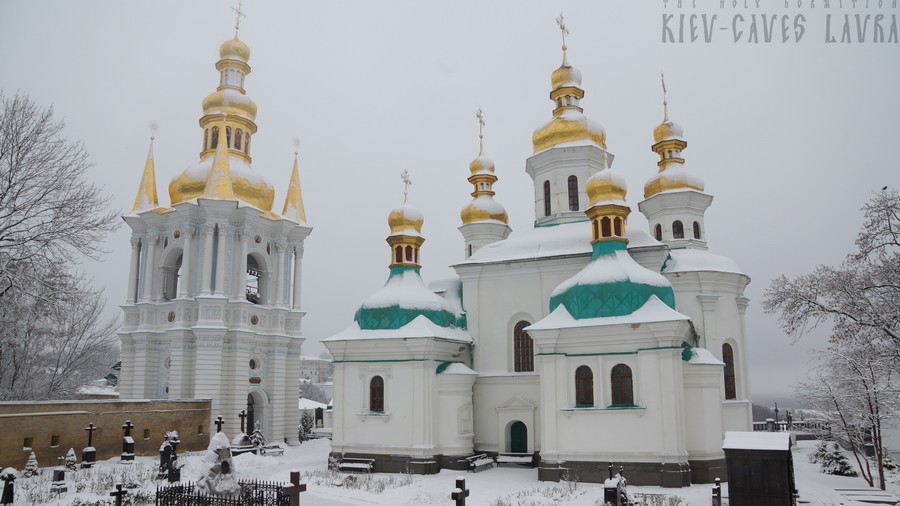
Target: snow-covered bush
(71,460)
(306,426)
(365,482)
(821,450)
(560,494)
(31,467)
(889,463)
(639,499)
(835,462)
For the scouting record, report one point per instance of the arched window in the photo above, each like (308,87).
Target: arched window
(228,137)
(398,255)
(376,394)
(596,229)
(573,193)
(523,348)
(416,255)
(696,230)
(728,358)
(617,226)
(237,138)
(409,254)
(254,287)
(546,198)
(214,139)
(247,144)
(206,139)
(584,387)
(622,388)
(658,232)
(677,230)
(605,228)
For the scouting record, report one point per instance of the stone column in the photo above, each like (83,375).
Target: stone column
(149,267)
(291,390)
(298,259)
(220,260)
(184,285)
(132,295)
(207,263)
(279,273)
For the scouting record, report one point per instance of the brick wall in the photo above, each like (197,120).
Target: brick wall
(66,420)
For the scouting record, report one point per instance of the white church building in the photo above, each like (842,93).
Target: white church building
(579,342)
(213,302)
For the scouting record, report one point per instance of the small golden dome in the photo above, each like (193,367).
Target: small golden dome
(404,219)
(673,177)
(565,75)
(481,164)
(606,185)
(483,208)
(667,130)
(230,102)
(234,50)
(569,126)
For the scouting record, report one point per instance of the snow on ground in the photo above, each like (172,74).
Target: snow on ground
(496,486)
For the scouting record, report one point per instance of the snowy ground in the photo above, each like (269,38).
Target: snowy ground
(497,486)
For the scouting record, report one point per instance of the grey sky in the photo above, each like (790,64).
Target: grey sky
(791,138)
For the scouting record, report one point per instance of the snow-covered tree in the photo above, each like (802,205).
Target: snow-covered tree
(71,460)
(313,393)
(257,437)
(833,461)
(306,426)
(31,467)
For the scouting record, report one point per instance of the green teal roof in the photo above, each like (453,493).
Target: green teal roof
(612,284)
(403,298)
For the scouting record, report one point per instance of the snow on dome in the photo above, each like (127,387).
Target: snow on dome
(248,185)
(481,164)
(234,49)
(405,218)
(568,126)
(407,290)
(230,101)
(483,208)
(673,177)
(668,130)
(419,327)
(654,310)
(565,76)
(458,368)
(703,356)
(618,266)
(694,260)
(606,185)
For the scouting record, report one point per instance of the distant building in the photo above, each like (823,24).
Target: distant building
(316,370)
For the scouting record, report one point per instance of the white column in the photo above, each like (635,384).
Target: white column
(298,259)
(220,260)
(187,264)
(279,273)
(149,266)
(206,265)
(132,295)
(241,275)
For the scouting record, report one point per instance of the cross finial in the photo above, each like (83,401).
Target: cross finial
(564,30)
(296,146)
(238,14)
(665,102)
(154,128)
(407,182)
(480,117)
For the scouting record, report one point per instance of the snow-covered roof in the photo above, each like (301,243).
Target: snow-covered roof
(757,441)
(691,260)
(418,328)
(617,266)
(654,310)
(407,290)
(703,356)
(310,404)
(457,368)
(548,241)
(451,290)
(312,357)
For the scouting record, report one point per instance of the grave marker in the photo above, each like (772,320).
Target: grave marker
(89,453)
(119,493)
(294,489)
(127,443)
(459,495)
(219,423)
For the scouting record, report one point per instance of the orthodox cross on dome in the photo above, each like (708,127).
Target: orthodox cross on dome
(665,102)
(154,129)
(238,14)
(407,182)
(296,146)
(565,31)
(480,117)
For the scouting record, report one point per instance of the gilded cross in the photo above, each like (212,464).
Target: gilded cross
(665,103)
(407,182)
(562,28)
(238,14)
(480,117)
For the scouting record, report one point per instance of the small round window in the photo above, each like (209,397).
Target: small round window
(254,364)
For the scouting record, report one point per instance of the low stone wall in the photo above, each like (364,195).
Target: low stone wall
(52,427)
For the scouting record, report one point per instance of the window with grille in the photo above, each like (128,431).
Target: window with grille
(523,348)
(584,387)
(622,386)
(376,394)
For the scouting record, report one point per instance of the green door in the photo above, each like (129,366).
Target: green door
(518,438)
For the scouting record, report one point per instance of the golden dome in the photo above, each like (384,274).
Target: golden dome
(667,130)
(569,126)
(404,219)
(565,76)
(481,164)
(247,186)
(234,50)
(606,185)
(672,178)
(231,102)
(483,208)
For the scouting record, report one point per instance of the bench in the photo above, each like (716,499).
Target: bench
(271,450)
(522,459)
(478,462)
(352,465)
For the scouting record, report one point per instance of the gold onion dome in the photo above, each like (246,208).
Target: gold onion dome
(231,102)
(569,124)
(667,130)
(481,164)
(234,49)
(606,185)
(406,220)
(565,76)
(483,208)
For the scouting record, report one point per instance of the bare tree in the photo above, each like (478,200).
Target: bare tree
(862,293)
(52,339)
(48,209)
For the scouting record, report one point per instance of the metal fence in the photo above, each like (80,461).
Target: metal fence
(253,493)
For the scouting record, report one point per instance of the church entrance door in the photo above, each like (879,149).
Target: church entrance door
(518,438)
(251,418)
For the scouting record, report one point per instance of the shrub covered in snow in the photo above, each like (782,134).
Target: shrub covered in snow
(306,426)
(31,467)
(833,461)
(71,460)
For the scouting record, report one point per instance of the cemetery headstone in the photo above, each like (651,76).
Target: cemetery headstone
(219,478)
(219,423)
(760,468)
(8,476)
(89,453)
(168,458)
(127,443)
(294,489)
(71,460)
(614,488)
(119,493)
(58,485)
(717,493)
(242,415)
(461,492)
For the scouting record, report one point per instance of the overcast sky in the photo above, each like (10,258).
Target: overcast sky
(790,137)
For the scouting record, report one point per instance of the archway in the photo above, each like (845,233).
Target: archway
(518,437)
(171,272)
(256,411)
